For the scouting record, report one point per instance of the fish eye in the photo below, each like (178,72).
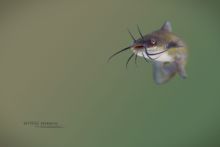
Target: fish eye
(153,41)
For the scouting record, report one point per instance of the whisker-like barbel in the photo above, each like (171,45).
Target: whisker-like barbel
(158,52)
(129,60)
(135,59)
(145,58)
(118,52)
(139,31)
(131,35)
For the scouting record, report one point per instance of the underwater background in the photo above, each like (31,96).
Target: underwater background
(53,69)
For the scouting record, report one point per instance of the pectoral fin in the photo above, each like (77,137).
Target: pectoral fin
(163,72)
(181,70)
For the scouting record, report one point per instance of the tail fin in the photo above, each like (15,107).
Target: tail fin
(164,71)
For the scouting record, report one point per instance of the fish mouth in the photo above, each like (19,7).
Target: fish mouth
(137,47)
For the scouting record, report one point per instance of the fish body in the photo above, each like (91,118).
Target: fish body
(164,50)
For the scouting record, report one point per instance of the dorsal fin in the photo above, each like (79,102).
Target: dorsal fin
(167,26)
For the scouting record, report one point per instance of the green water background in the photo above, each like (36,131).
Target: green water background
(53,68)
